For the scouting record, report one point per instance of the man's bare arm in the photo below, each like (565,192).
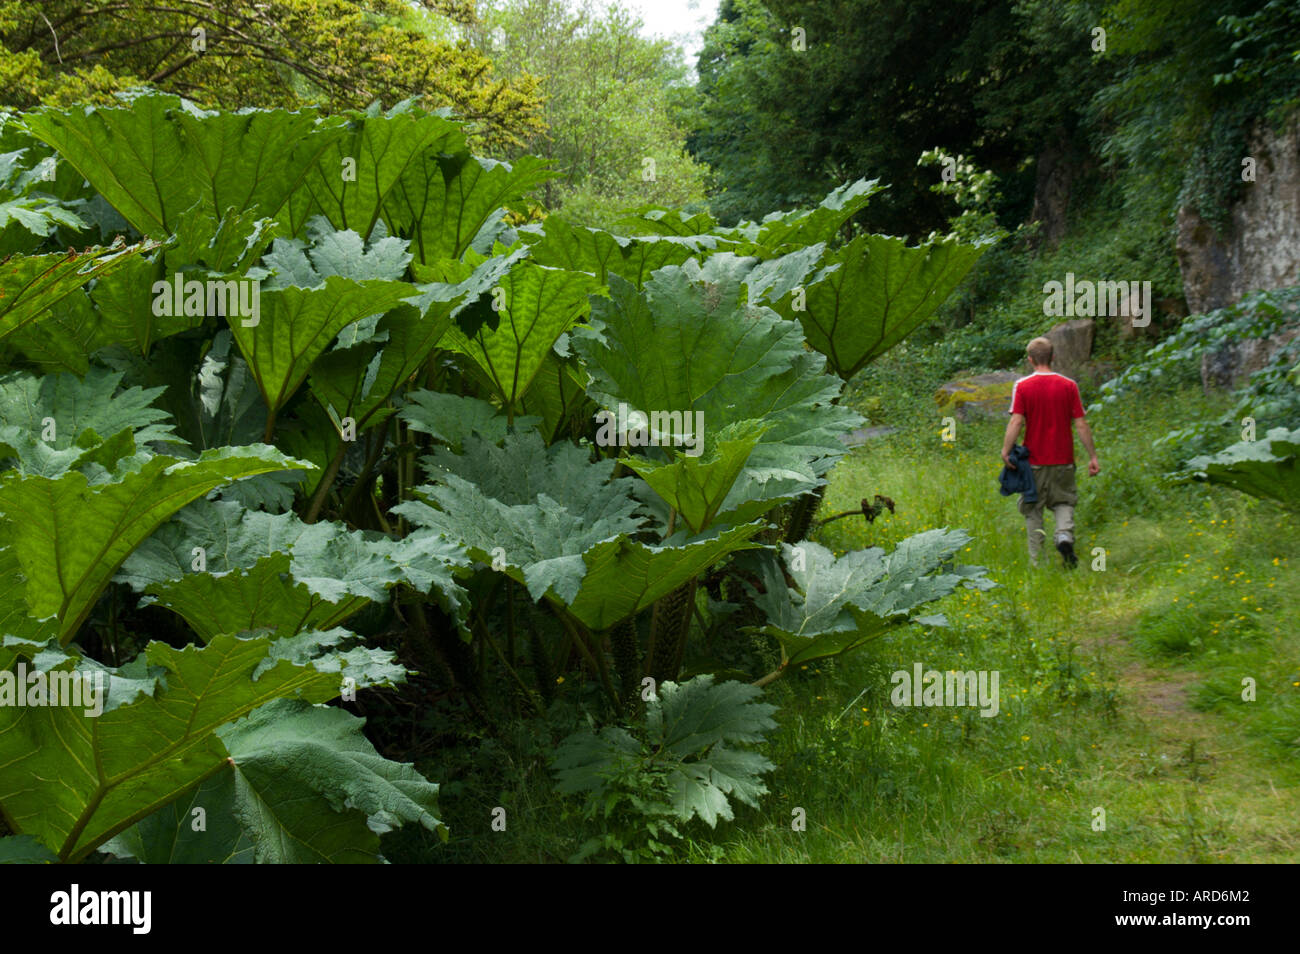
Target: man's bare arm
(1014,427)
(1085,438)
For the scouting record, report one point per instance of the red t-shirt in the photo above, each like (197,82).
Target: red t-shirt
(1049,402)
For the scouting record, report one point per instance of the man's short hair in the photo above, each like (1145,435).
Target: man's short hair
(1040,351)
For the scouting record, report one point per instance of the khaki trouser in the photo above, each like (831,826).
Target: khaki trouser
(1058,493)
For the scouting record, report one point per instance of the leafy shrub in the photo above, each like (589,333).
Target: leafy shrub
(328,384)
(1175,361)
(688,762)
(1269,398)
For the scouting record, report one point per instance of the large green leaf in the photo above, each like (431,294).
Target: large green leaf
(133,156)
(697,486)
(24,850)
(329,251)
(62,339)
(657,221)
(83,412)
(699,723)
(309,786)
(692,748)
(774,278)
(262,570)
(646,254)
(124,303)
(339,651)
(159,156)
(358,382)
(554,521)
(561,245)
(303,786)
(540,304)
(252,158)
(15,616)
(336,563)
(810,226)
(243,584)
(625,576)
(31,284)
(359,175)
(872,293)
(689,343)
(540,544)
(574,549)
(603,253)
(70,534)
(221,244)
(196,828)
(1262,468)
(296,325)
(523,468)
(73,780)
(258,596)
(444,202)
(679,341)
(118,310)
(837,604)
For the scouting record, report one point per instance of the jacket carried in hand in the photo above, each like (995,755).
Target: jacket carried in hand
(1020,480)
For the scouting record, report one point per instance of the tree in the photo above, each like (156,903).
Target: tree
(233,53)
(798,95)
(611,105)
(1190,80)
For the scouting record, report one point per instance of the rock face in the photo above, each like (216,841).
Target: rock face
(1096,373)
(1263,247)
(983,395)
(1266,225)
(1052,191)
(1071,345)
(1205,262)
(1230,367)
(1261,251)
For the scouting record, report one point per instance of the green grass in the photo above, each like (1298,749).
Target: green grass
(1121,687)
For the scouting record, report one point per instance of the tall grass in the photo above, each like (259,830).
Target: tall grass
(1121,685)
(1121,680)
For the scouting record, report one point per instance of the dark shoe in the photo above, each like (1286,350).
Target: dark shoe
(1066,549)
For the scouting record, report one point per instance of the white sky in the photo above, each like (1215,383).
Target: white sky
(680,20)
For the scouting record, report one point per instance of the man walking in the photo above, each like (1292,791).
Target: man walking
(1044,404)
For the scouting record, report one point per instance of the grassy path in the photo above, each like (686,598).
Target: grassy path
(1121,682)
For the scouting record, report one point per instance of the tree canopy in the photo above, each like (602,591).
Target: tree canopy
(612,97)
(795,95)
(231,54)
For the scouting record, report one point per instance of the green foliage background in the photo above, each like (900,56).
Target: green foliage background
(394,483)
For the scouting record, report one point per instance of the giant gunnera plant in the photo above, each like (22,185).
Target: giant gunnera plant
(306,414)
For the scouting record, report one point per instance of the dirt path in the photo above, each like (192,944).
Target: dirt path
(1194,776)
